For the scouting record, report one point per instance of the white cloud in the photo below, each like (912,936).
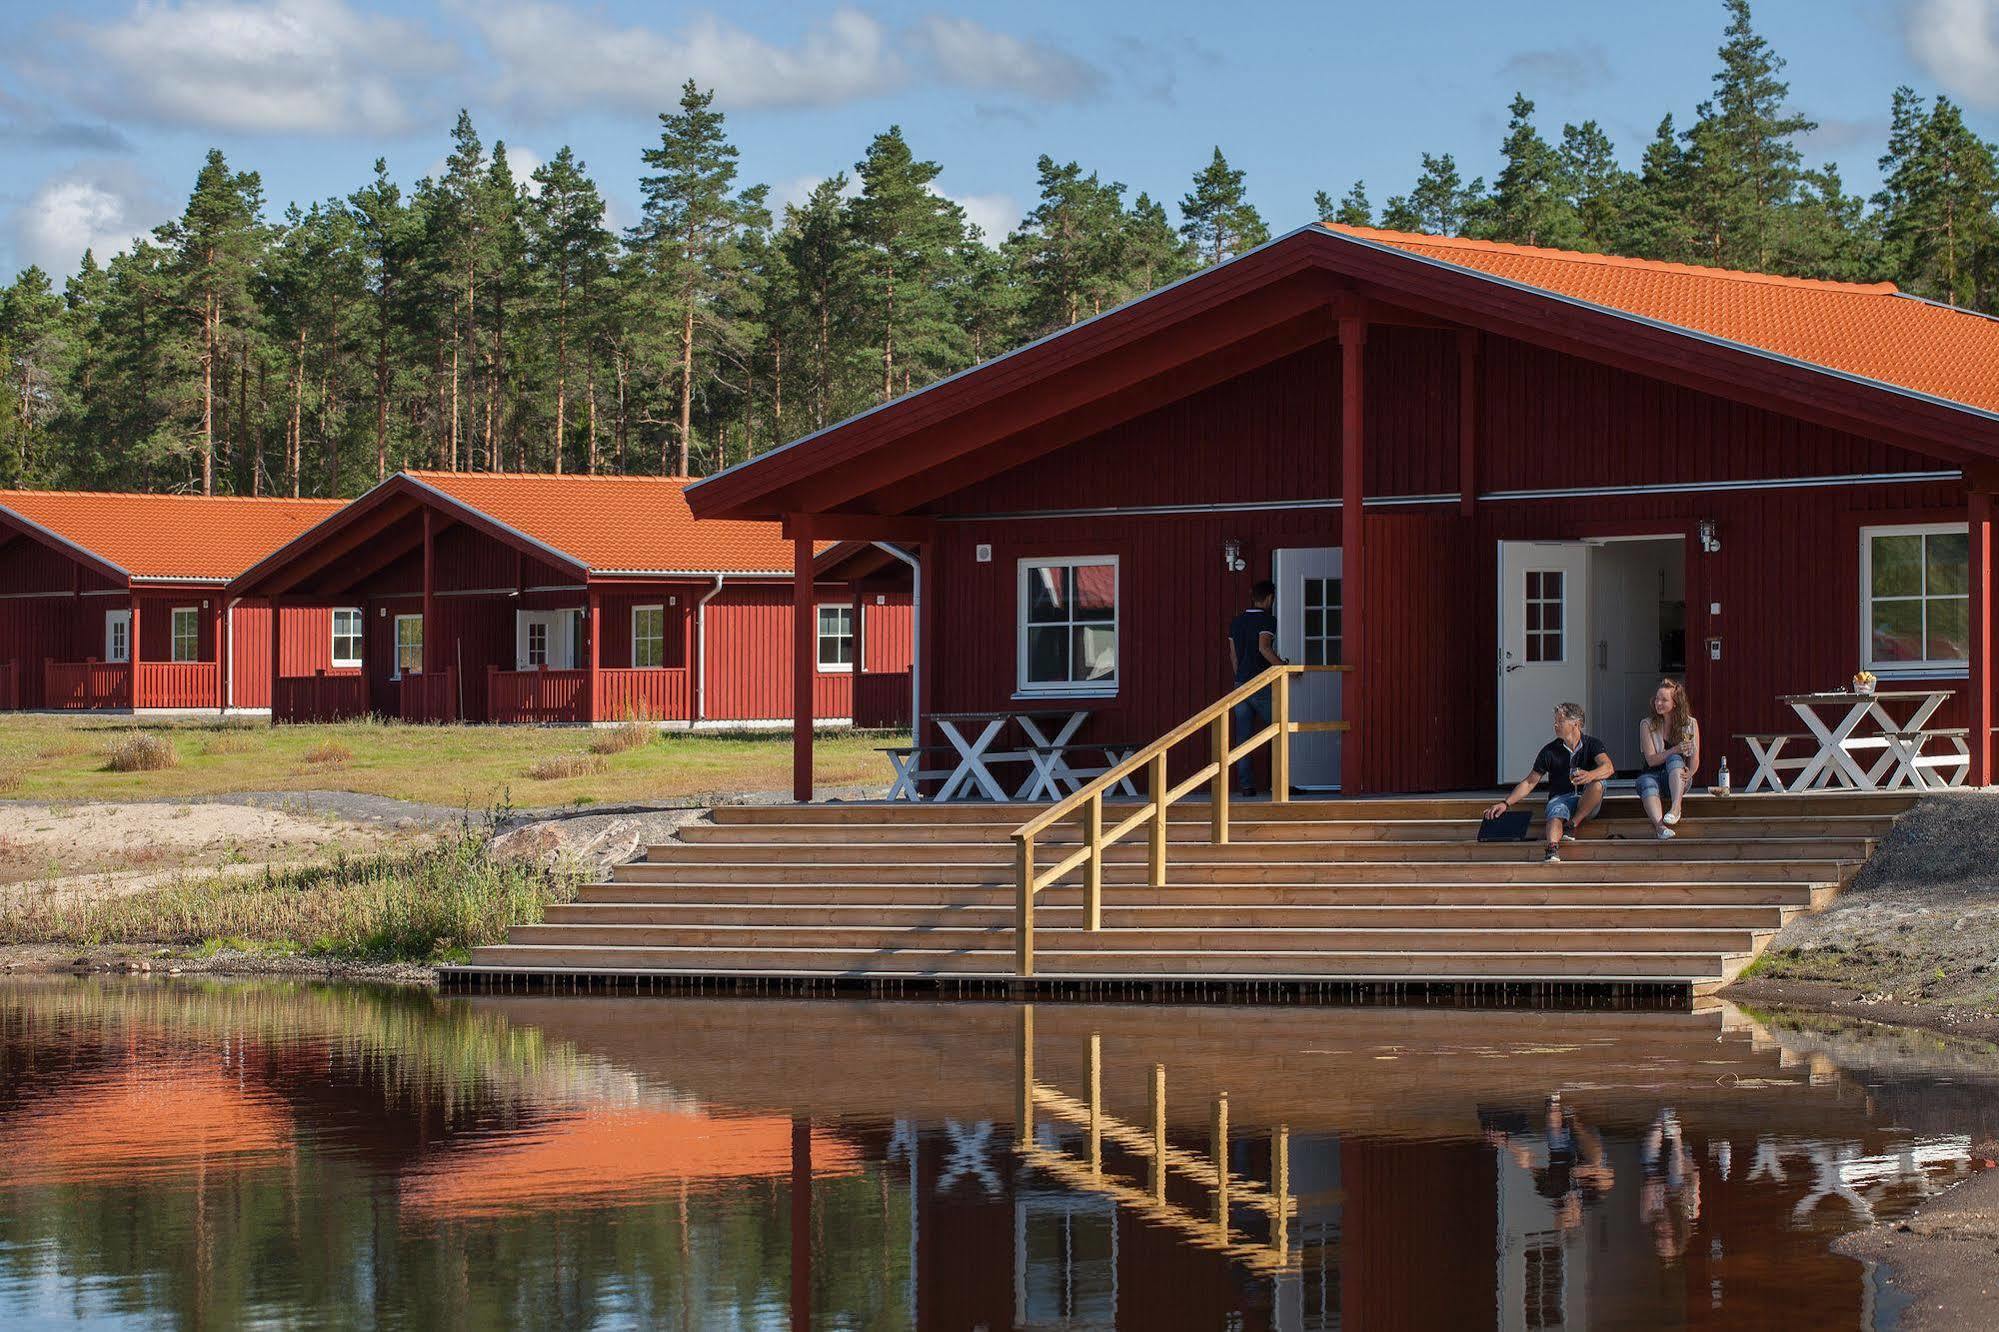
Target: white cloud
(288,66)
(99,207)
(1957,42)
(551,58)
(964,53)
(993,214)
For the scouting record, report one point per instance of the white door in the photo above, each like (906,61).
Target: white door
(118,635)
(1308,632)
(545,640)
(1543,644)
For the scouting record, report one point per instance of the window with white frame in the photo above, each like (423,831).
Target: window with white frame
(409,645)
(836,638)
(648,636)
(346,638)
(1916,597)
(1068,625)
(187,634)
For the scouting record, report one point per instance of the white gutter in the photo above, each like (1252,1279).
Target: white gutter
(915,636)
(699,711)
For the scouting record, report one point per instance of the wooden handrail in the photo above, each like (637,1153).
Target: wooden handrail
(1087,800)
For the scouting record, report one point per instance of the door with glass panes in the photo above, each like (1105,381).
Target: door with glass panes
(1308,632)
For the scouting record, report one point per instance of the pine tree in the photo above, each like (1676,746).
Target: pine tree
(1216,217)
(569,259)
(1440,203)
(1154,253)
(816,249)
(906,238)
(1598,190)
(1746,163)
(387,234)
(1940,183)
(34,356)
(501,202)
(1071,247)
(215,244)
(1529,204)
(1659,221)
(690,235)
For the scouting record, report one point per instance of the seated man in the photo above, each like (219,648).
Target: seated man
(1575,766)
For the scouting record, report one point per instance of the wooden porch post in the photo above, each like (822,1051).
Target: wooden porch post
(1468,421)
(592,634)
(429,607)
(1353,616)
(132,655)
(277,639)
(803,628)
(220,638)
(1980,681)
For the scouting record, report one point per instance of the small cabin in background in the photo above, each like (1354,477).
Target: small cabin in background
(501,597)
(119,602)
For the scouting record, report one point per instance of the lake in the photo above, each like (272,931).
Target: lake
(193,1153)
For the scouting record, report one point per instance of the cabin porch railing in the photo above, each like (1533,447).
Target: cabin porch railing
(881,700)
(536,696)
(10,686)
(431,697)
(323,696)
(1087,803)
(647,693)
(177,684)
(81,686)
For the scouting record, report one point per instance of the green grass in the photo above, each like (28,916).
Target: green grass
(65,758)
(430,905)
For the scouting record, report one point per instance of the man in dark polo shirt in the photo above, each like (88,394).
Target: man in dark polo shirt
(1575,766)
(1252,651)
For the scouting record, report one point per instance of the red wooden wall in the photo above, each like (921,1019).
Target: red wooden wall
(1787,576)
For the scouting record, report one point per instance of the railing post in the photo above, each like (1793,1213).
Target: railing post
(1221,1152)
(1093,868)
(1023,916)
(1280,750)
(1096,1106)
(1218,789)
(1158,1107)
(1280,1189)
(1026,1126)
(1156,856)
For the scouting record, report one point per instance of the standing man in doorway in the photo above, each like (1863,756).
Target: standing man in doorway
(1575,765)
(1252,651)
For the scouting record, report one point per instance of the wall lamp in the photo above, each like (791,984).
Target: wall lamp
(1232,556)
(1710,540)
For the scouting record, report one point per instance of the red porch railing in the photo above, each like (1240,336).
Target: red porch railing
(535,696)
(178,684)
(324,697)
(10,686)
(657,693)
(881,700)
(428,698)
(81,686)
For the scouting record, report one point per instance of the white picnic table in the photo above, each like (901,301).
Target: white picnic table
(1048,743)
(1835,718)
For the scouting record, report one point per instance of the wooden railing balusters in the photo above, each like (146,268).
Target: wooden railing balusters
(1218,785)
(1280,757)
(1093,870)
(1156,834)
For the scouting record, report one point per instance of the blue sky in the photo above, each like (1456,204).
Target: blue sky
(106,106)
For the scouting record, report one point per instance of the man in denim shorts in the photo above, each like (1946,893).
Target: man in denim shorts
(1575,766)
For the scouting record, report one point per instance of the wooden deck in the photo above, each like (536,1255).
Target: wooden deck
(1388,895)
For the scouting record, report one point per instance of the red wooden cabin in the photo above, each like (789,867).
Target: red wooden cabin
(114,602)
(1576,472)
(500,597)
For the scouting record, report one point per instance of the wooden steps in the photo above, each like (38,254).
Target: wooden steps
(1386,892)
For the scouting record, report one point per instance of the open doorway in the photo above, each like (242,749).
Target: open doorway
(1595,622)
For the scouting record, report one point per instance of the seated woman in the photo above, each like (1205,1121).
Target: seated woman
(1670,740)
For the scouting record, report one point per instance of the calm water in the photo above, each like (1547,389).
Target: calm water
(213,1155)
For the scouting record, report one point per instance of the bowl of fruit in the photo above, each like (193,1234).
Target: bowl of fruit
(1863,682)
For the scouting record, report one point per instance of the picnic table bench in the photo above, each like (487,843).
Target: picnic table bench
(1841,744)
(1048,748)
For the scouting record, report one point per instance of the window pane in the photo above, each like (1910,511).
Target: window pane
(1949,637)
(1315,652)
(1898,630)
(1096,652)
(1096,592)
(1534,647)
(1533,585)
(1047,593)
(1048,655)
(1898,566)
(1315,623)
(1533,617)
(1551,584)
(1949,563)
(1551,616)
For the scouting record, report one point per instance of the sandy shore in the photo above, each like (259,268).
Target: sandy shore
(1935,1270)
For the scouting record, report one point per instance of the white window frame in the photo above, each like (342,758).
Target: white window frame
(638,611)
(122,619)
(334,636)
(1022,599)
(396,671)
(1926,669)
(173,634)
(820,638)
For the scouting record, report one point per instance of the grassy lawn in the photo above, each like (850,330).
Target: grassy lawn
(69,758)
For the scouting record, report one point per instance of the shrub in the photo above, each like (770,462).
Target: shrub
(226,744)
(10,782)
(634,732)
(328,754)
(555,767)
(143,751)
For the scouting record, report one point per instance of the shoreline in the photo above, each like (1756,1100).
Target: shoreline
(1845,1001)
(1934,1270)
(160,961)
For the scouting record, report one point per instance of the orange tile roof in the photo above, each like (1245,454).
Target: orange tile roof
(1870,330)
(170,536)
(143,1123)
(617,524)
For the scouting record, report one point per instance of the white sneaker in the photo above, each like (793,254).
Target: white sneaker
(1672,818)
(1667,834)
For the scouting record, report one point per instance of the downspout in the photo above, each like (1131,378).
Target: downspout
(225,654)
(700,710)
(915,634)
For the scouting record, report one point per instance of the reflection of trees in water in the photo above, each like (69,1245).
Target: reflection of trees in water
(372,1083)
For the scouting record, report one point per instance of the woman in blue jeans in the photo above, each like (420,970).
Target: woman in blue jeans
(1670,740)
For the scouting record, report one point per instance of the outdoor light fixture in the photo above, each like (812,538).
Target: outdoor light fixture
(1232,556)
(1710,543)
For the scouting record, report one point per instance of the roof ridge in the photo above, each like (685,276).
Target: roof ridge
(1389,237)
(553,476)
(172,495)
